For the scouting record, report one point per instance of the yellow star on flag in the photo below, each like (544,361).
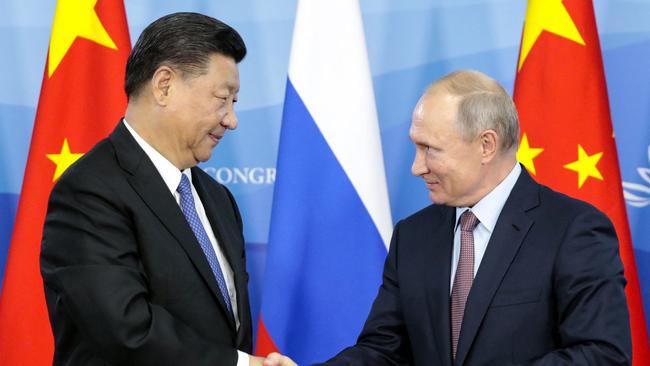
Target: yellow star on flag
(63,160)
(72,19)
(526,154)
(550,16)
(585,166)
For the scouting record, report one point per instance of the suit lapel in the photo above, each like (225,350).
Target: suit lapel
(149,185)
(230,241)
(437,258)
(227,240)
(215,209)
(510,230)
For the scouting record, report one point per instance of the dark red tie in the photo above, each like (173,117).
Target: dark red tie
(464,276)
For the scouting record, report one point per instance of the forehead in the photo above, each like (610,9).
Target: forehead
(222,72)
(434,113)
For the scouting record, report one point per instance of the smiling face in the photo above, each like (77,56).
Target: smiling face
(450,165)
(200,110)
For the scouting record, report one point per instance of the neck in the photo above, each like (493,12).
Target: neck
(152,129)
(501,168)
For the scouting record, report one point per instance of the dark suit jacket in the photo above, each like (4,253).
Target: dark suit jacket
(126,281)
(549,290)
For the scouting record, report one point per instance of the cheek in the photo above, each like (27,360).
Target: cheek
(224,111)
(437,166)
(430,162)
(451,175)
(201,109)
(468,178)
(218,108)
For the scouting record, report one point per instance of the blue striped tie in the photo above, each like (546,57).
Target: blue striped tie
(189,210)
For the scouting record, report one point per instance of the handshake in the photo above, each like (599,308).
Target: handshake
(272,359)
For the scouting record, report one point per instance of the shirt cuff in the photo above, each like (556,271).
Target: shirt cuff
(243,358)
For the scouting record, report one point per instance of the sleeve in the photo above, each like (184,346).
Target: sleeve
(384,340)
(593,320)
(96,285)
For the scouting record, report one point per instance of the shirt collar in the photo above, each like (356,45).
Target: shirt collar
(168,171)
(488,209)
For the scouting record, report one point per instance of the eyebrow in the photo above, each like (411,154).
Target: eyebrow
(230,88)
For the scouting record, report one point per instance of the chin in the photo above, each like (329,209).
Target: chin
(202,156)
(436,199)
(202,159)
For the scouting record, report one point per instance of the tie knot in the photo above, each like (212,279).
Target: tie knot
(468,221)
(184,185)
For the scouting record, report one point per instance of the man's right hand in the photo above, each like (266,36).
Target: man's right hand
(276,359)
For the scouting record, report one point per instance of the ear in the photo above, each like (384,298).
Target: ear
(161,84)
(489,141)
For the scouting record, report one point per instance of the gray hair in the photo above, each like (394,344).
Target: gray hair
(484,105)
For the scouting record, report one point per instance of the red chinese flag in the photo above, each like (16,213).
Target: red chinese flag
(82,98)
(567,137)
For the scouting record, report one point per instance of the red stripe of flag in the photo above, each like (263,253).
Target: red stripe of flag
(81,100)
(567,137)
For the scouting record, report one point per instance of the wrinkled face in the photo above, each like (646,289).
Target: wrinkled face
(450,166)
(201,109)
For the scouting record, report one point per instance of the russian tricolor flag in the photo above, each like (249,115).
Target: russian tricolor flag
(330,224)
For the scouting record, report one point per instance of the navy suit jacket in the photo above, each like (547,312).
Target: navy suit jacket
(126,281)
(549,290)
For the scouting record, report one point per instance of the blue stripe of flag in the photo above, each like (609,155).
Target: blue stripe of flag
(325,255)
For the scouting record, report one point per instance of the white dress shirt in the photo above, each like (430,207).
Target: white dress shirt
(172,178)
(487,211)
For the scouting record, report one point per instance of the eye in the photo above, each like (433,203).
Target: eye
(430,150)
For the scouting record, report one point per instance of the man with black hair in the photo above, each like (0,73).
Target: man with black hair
(143,253)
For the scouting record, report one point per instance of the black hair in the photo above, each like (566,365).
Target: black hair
(183,41)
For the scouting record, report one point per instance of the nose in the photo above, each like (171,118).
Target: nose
(230,120)
(419,166)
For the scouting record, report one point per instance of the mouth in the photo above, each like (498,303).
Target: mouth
(431,185)
(215,137)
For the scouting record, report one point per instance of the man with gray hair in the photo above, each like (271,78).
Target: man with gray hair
(500,270)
